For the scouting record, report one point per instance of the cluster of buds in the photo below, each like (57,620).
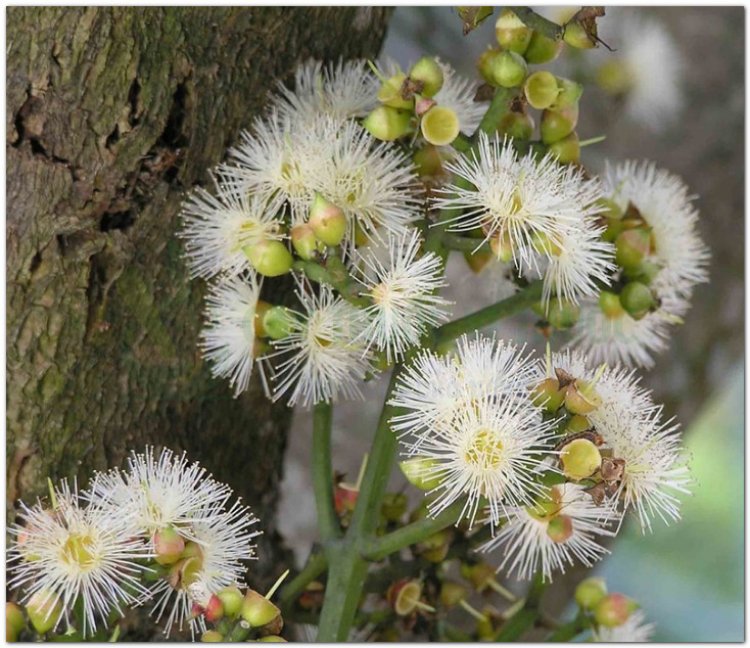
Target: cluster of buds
(603,609)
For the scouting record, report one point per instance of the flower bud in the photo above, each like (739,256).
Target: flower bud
(557,124)
(560,528)
(435,548)
(451,593)
(387,124)
(270,258)
(636,298)
(327,220)
(508,70)
(394,506)
(577,423)
(545,508)
(278,322)
(44,609)
(312,597)
(479,575)
(548,395)
(614,610)
(168,546)
(563,314)
(14,622)
(569,95)
(304,242)
(419,472)
(422,105)
(614,77)
(427,72)
(541,89)
(478,260)
(517,125)
(345,497)
(511,32)
(391,93)
(258,610)
(214,609)
(567,150)
(609,304)
(576,36)
(631,246)
(581,398)
(428,160)
(231,599)
(580,459)
(589,592)
(502,248)
(542,49)
(486,64)
(212,636)
(440,125)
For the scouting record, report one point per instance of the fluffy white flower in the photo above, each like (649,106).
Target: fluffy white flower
(552,535)
(634,630)
(72,553)
(323,357)
(341,91)
(403,290)
(217,227)
(228,337)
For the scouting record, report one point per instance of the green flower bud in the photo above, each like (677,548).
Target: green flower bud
(231,599)
(511,32)
(563,315)
(428,160)
(508,70)
(577,423)
(614,77)
(542,49)
(440,125)
(452,593)
(548,395)
(615,227)
(636,298)
(479,575)
(394,506)
(517,125)
(541,89)
(645,272)
(631,247)
(387,124)
(327,220)
(418,472)
(478,260)
(569,95)
(427,72)
(560,528)
(278,322)
(610,305)
(545,508)
(614,610)
(304,242)
(580,459)
(212,636)
(44,608)
(435,548)
(168,546)
(575,35)
(14,622)
(581,398)
(270,258)
(567,150)
(257,610)
(589,592)
(486,64)
(391,93)
(557,124)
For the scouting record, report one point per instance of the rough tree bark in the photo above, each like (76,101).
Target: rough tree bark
(112,113)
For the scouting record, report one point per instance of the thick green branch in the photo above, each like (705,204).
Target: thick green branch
(538,23)
(322,473)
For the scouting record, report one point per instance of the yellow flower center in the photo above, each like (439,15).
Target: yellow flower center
(79,551)
(485,451)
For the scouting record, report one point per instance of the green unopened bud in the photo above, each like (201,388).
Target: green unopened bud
(614,610)
(44,609)
(541,89)
(479,575)
(428,160)
(387,124)
(257,610)
(508,70)
(327,220)
(631,247)
(560,528)
(486,64)
(270,258)
(548,395)
(614,77)
(511,32)
(278,322)
(567,150)
(212,636)
(420,472)
(610,305)
(576,35)
(451,593)
(394,506)
(542,49)
(577,423)
(231,599)
(545,508)
(590,592)
(580,459)
(563,314)
(569,95)
(304,241)
(427,73)
(557,124)
(581,398)
(391,93)
(440,125)
(14,622)
(645,272)
(168,546)
(637,299)
(435,548)
(518,125)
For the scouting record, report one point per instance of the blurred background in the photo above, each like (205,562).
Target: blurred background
(689,577)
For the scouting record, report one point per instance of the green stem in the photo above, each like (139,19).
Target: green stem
(334,274)
(322,473)
(489,315)
(499,106)
(530,18)
(524,619)
(569,631)
(315,566)
(382,546)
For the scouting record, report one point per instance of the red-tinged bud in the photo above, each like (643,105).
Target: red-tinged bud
(428,74)
(541,89)
(387,124)
(44,609)
(391,93)
(580,459)
(440,126)
(231,599)
(614,610)
(590,592)
(312,597)
(567,150)
(168,546)
(14,622)
(637,299)
(548,395)
(610,305)
(511,32)
(420,472)
(542,49)
(451,593)
(327,221)
(304,241)
(258,610)
(557,124)
(212,636)
(508,70)
(270,258)
(214,609)
(518,125)
(422,105)
(560,528)
(345,497)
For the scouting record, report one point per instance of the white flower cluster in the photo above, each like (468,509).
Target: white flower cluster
(554,452)
(162,531)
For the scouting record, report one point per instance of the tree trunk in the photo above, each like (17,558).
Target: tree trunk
(112,113)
